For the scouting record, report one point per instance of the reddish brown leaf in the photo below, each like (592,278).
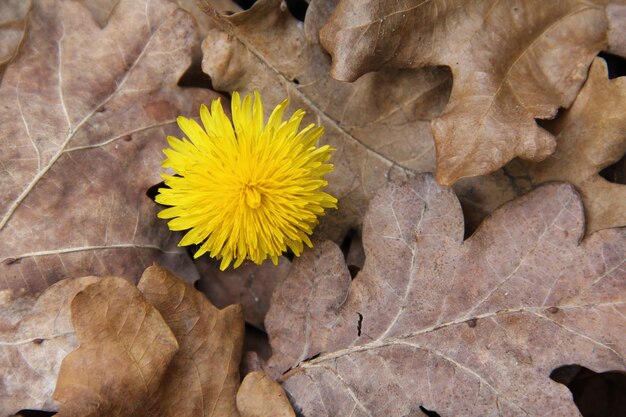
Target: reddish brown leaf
(460,327)
(512,62)
(85,114)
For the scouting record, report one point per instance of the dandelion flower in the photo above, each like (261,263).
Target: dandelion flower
(246,190)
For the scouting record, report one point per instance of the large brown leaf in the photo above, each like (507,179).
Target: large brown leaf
(125,348)
(203,377)
(379,125)
(31,351)
(591,135)
(461,327)
(512,62)
(84,116)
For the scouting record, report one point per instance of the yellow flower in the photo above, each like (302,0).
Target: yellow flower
(244,189)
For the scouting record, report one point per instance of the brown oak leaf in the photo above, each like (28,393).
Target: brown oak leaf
(468,327)
(203,377)
(590,135)
(85,112)
(125,348)
(261,396)
(31,350)
(512,62)
(379,125)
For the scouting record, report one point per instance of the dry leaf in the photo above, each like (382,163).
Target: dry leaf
(261,396)
(85,114)
(12,14)
(461,327)
(379,125)
(591,136)
(32,350)
(125,348)
(616,15)
(249,285)
(203,377)
(512,62)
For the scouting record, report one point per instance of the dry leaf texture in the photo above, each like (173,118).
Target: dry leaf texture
(379,125)
(203,377)
(591,136)
(125,348)
(32,350)
(261,396)
(511,62)
(469,328)
(84,116)
(12,21)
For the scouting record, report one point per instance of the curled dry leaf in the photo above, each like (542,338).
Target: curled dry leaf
(261,396)
(461,327)
(512,62)
(616,15)
(591,136)
(203,377)
(32,350)
(379,125)
(85,112)
(125,348)
(249,285)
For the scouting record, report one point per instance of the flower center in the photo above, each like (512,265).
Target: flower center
(252,195)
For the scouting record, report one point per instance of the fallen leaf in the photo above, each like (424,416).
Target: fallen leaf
(261,396)
(468,327)
(249,285)
(203,377)
(85,114)
(591,136)
(616,15)
(379,125)
(31,351)
(12,13)
(125,348)
(512,63)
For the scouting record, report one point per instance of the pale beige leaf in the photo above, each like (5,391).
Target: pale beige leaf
(31,351)
(12,21)
(512,62)
(468,327)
